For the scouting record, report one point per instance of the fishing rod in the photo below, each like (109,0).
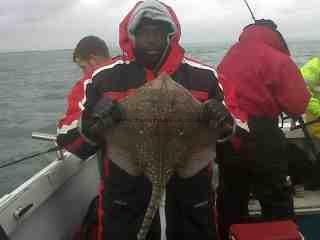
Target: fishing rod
(250,10)
(53,149)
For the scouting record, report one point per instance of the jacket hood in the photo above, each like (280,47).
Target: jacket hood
(154,10)
(263,34)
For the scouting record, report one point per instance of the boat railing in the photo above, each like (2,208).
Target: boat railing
(51,138)
(44,136)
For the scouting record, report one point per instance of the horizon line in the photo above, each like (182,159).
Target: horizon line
(113,46)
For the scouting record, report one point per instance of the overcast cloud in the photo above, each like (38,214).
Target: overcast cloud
(59,24)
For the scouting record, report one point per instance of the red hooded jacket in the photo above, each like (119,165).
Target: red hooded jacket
(67,130)
(260,77)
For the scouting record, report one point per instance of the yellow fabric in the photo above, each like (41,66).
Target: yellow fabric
(313,129)
(311,73)
(314,106)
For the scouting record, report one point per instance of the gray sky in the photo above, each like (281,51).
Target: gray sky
(59,24)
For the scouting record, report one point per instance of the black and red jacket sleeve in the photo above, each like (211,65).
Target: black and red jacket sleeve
(68,135)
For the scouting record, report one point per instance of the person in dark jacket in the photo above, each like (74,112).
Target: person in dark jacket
(149,38)
(260,82)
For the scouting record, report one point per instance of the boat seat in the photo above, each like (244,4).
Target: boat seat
(303,205)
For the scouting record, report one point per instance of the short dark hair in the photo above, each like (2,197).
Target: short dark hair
(263,22)
(90,45)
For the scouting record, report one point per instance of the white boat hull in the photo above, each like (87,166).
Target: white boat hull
(58,195)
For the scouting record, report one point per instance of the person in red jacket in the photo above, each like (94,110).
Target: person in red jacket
(149,38)
(260,82)
(89,53)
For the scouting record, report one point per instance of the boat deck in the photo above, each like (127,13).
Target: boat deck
(308,204)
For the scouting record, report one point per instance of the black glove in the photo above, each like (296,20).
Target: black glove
(106,114)
(216,114)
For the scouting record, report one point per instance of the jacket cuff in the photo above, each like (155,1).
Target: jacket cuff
(84,131)
(230,135)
